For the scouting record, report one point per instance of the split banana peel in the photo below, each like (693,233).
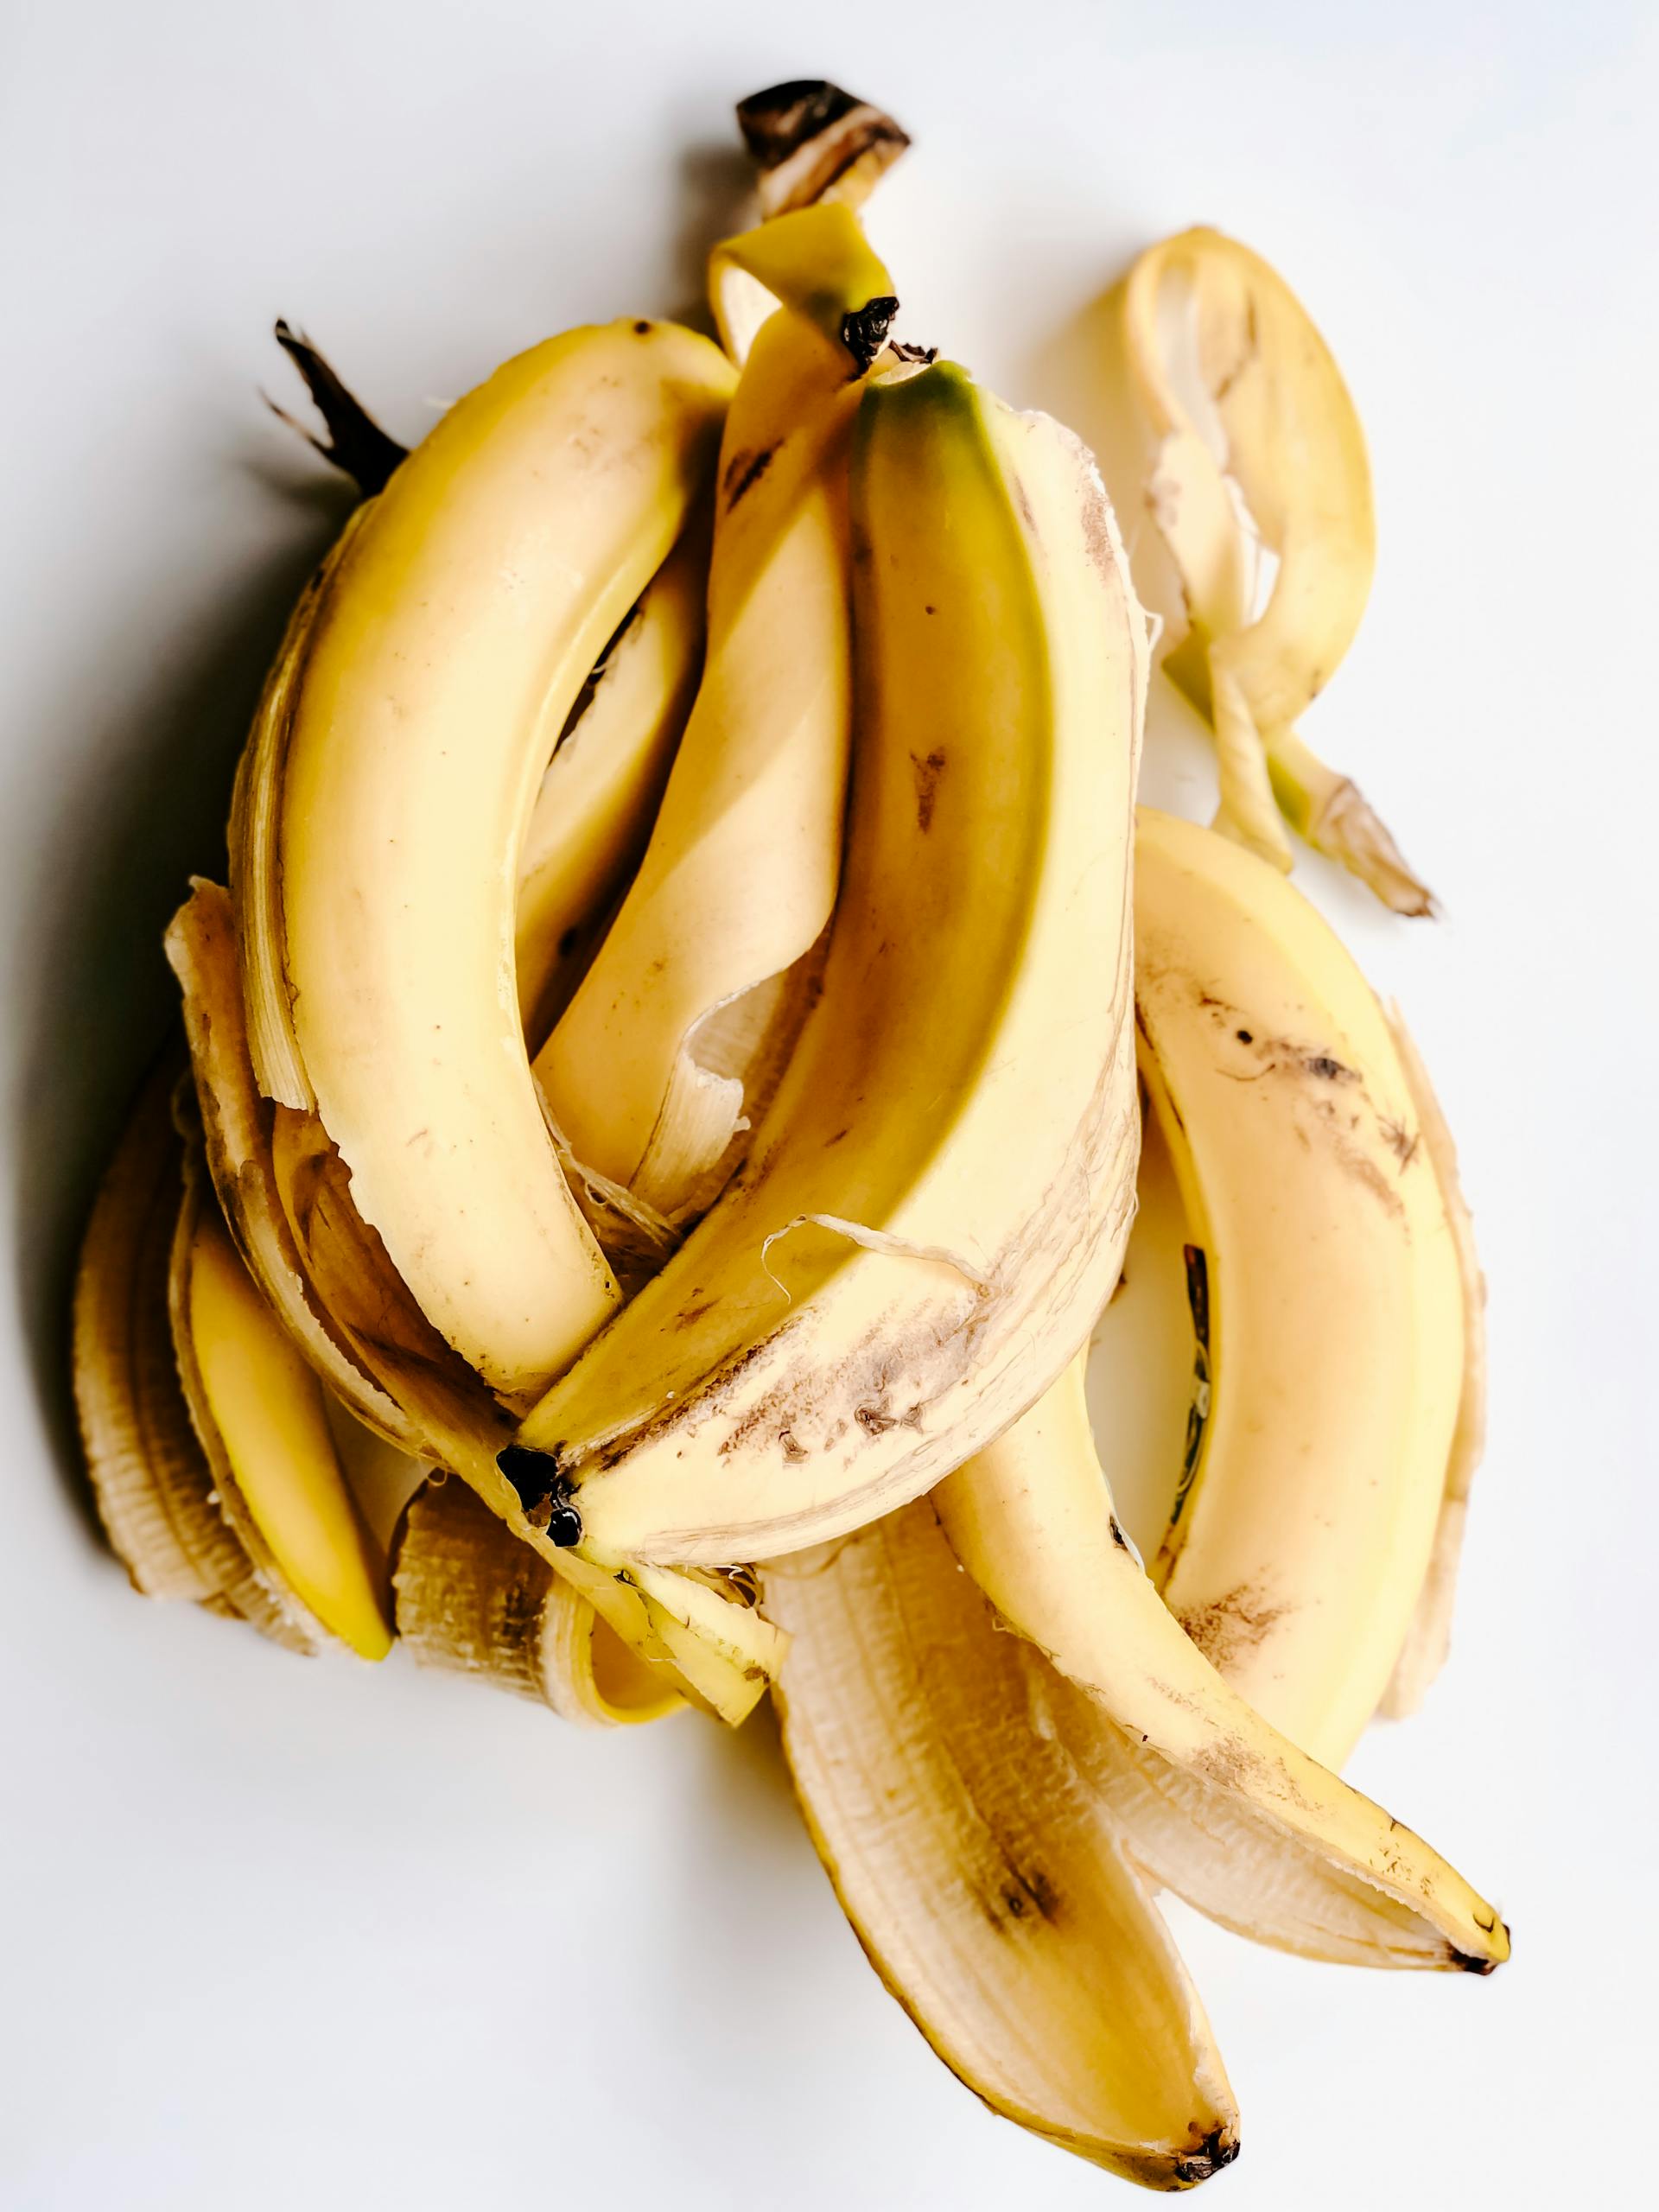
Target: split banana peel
(1255,454)
(886,1279)
(684,1019)
(666,1084)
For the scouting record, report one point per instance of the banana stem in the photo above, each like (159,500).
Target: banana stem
(1331,814)
(355,443)
(1247,811)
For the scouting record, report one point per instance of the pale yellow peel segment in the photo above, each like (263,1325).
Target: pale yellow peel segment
(258,1592)
(649,1072)
(603,788)
(237,1123)
(256,874)
(988,1885)
(1335,1355)
(442,659)
(268,1408)
(1253,444)
(1192,1833)
(1032,1520)
(814,261)
(813,143)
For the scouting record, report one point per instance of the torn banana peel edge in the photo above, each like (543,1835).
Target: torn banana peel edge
(1032,1520)
(1254,442)
(604,784)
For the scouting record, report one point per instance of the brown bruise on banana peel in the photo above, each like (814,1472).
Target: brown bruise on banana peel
(150,1478)
(987,1886)
(1429,1636)
(474,1599)
(811,141)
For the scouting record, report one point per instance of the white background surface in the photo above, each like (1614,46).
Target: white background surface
(278,1934)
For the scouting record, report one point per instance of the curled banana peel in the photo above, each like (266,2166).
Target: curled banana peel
(413,721)
(1253,444)
(813,143)
(1429,1635)
(328,1283)
(988,1881)
(1215,1803)
(605,783)
(681,1027)
(850,1317)
(815,261)
(212,1463)
(1329,1284)
(473,1599)
(259,1412)
(237,1123)
(380,815)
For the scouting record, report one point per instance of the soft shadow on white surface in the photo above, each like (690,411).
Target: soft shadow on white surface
(93,1000)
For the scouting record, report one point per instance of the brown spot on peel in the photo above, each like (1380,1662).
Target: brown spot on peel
(927,773)
(743,472)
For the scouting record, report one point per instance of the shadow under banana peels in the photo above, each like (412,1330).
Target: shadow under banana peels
(716,200)
(94,1001)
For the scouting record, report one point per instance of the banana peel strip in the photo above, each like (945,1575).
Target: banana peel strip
(150,1478)
(1257,445)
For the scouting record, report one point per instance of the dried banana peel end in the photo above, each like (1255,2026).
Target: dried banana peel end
(1330,813)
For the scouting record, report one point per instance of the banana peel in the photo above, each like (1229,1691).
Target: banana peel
(1253,444)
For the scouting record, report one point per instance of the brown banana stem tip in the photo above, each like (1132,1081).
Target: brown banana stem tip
(810,141)
(355,443)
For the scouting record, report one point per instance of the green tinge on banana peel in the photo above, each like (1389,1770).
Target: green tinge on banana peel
(815,261)
(1257,444)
